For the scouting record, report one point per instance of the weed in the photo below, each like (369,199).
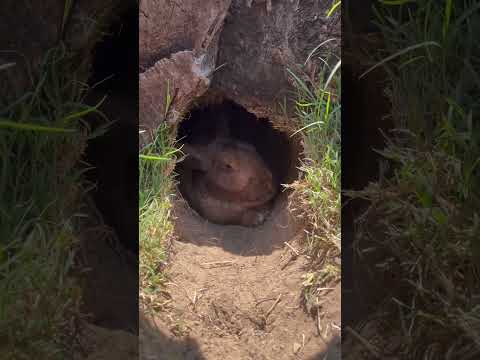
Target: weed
(423,220)
(157,161)
(317,194)
(43,135)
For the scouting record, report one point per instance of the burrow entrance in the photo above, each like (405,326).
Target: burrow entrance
(228,147)
(109,246)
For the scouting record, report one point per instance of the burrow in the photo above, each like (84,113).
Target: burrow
(281,153)
(233,64)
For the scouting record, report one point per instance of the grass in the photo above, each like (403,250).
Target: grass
(42,136)
(157,161)
(424,220)
(317,195)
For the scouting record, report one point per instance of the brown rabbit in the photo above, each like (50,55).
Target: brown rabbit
(233,170)
(222,211)
(230,183)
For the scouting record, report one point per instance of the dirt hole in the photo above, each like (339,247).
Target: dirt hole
(263,149)
(111,252)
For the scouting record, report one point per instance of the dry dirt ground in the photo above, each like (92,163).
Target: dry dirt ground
(103,344)
(237,299)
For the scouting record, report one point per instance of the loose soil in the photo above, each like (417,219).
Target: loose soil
(235,299)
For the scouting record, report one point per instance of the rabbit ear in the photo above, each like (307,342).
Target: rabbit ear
(199,155)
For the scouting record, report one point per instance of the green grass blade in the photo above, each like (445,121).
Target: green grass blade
(333,8)
(448,14)
(4,123)
(399,53)
(306,127)
(154,158)
(66,13)
(332,74)
(83,113)
(315,50)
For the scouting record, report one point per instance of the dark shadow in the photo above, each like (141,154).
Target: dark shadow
(156,342)
(333,351)
(110,287)
(114,155)
(364,111)
(279,151)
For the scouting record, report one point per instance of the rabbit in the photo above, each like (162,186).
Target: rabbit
(230,183)
(220,211)
(232,170)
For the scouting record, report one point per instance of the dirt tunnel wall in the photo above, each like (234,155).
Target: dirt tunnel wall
(239,51)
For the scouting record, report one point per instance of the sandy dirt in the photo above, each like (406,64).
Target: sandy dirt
(233,301)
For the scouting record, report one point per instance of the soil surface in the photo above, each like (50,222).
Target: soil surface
(236,302)
(103,344)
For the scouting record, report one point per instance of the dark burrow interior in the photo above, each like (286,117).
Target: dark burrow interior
(205,122)
(114,155)
(364,101)
(110,287)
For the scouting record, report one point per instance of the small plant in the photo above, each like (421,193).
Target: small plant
(157,161)
(42,136)
(423,222)
(317,194)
